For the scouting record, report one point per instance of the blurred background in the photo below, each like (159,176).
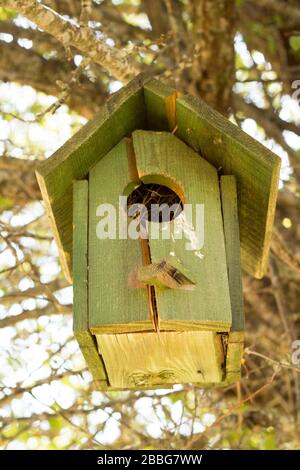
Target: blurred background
(243,58)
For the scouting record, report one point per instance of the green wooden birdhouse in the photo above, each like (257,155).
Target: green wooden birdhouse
(158,300)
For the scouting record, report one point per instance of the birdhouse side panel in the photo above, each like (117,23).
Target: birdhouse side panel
(80,287)
(232,243)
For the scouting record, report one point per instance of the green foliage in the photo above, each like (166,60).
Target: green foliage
(11,430)
(5,204)
(7,14)
(257,28)
(263,440)
(295,43)
(56,424)
(272,46)
(239,63)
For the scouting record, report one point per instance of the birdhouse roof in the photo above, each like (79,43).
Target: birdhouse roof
(148,104)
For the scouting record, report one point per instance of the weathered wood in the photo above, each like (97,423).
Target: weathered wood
(219,141)
(232,243)
(234,355)
(255,167)
(122,113)
(233,361)
(160,100)
(164,275)
(162,158)
(148,359)
(80,310)
(80,253)
(113,305)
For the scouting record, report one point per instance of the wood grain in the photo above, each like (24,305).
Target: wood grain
(148,359)
(113,305)
(232,243)
(255,167)
(162,158)
(160,100)
(122,113)
(86,341)
(234,356)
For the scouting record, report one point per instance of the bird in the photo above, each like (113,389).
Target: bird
(163,275)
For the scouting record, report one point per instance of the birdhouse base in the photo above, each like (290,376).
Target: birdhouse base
(150,359)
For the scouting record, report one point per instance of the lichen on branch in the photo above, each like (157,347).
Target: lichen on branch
(80,37)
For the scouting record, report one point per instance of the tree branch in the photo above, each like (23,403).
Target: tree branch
(43,43)
(80,37)
(279,7)
(34,314)
(282,252)
(272,125)
(269,114)
(213,66)
(19,389)
(27,67)
(40,290)
(16,169)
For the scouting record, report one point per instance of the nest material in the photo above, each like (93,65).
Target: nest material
(151,196)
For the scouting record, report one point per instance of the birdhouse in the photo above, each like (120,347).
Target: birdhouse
(156,205)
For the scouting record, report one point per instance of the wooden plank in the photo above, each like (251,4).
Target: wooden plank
(122,113)
(234,356)
(114,306)
(255,167)
(160,102)
(80,316)
(232,243)
(148,359)
(164,275)
(80,253)
(162,158)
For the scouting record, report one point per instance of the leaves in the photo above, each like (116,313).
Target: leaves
(295,43)
(7,14)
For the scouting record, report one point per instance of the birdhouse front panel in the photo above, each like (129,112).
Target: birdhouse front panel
(128,294)
(158,300)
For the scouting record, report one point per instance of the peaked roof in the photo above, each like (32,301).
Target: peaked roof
(148,104)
